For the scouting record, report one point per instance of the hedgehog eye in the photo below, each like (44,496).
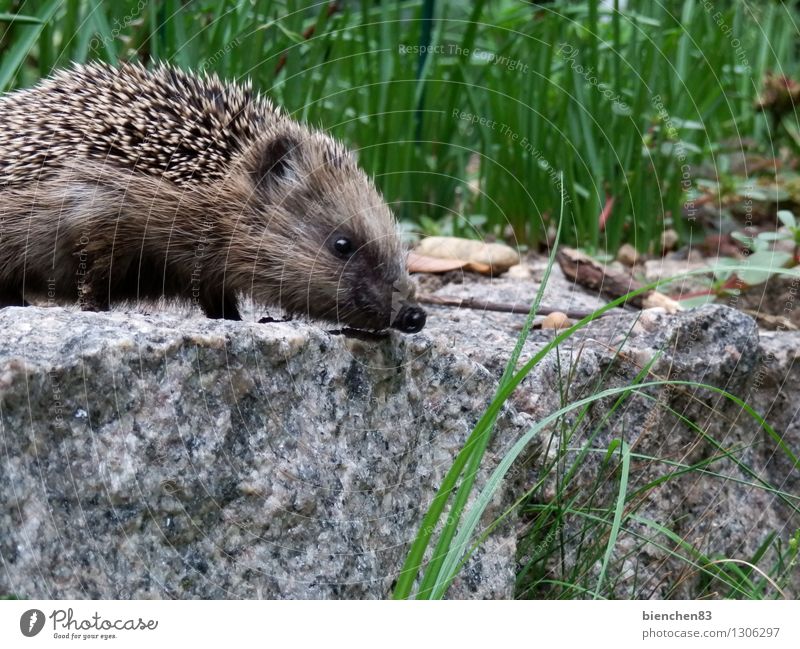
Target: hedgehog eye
(343,247)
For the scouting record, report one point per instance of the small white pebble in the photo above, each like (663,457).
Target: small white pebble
(519,271)
(556,320)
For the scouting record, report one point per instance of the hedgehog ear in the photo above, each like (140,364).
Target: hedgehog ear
(274,158)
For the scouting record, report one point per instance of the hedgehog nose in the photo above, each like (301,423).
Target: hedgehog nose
(410,320)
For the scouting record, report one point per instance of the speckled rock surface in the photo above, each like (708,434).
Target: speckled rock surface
(163,456)
(172,456)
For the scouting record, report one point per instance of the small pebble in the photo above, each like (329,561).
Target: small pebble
(628,255)
(556,320)
(669,239)
(519,271)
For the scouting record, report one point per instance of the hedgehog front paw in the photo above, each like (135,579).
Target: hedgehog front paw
(87,300)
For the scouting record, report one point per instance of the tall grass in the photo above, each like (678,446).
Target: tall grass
(471,136)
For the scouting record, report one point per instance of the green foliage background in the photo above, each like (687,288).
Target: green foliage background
(466,112)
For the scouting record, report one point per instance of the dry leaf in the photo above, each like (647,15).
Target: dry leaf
(497,256)
(417,263)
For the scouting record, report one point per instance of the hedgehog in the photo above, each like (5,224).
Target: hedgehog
(122,184)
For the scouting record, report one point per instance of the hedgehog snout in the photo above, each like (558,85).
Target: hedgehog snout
(410,319)
(406,316)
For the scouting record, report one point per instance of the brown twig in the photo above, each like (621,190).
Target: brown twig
(582,269)
(502,307)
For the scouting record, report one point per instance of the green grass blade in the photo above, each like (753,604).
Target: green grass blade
(625,452)
(28,34)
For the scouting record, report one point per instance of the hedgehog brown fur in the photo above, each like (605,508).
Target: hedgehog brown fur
(129,184)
